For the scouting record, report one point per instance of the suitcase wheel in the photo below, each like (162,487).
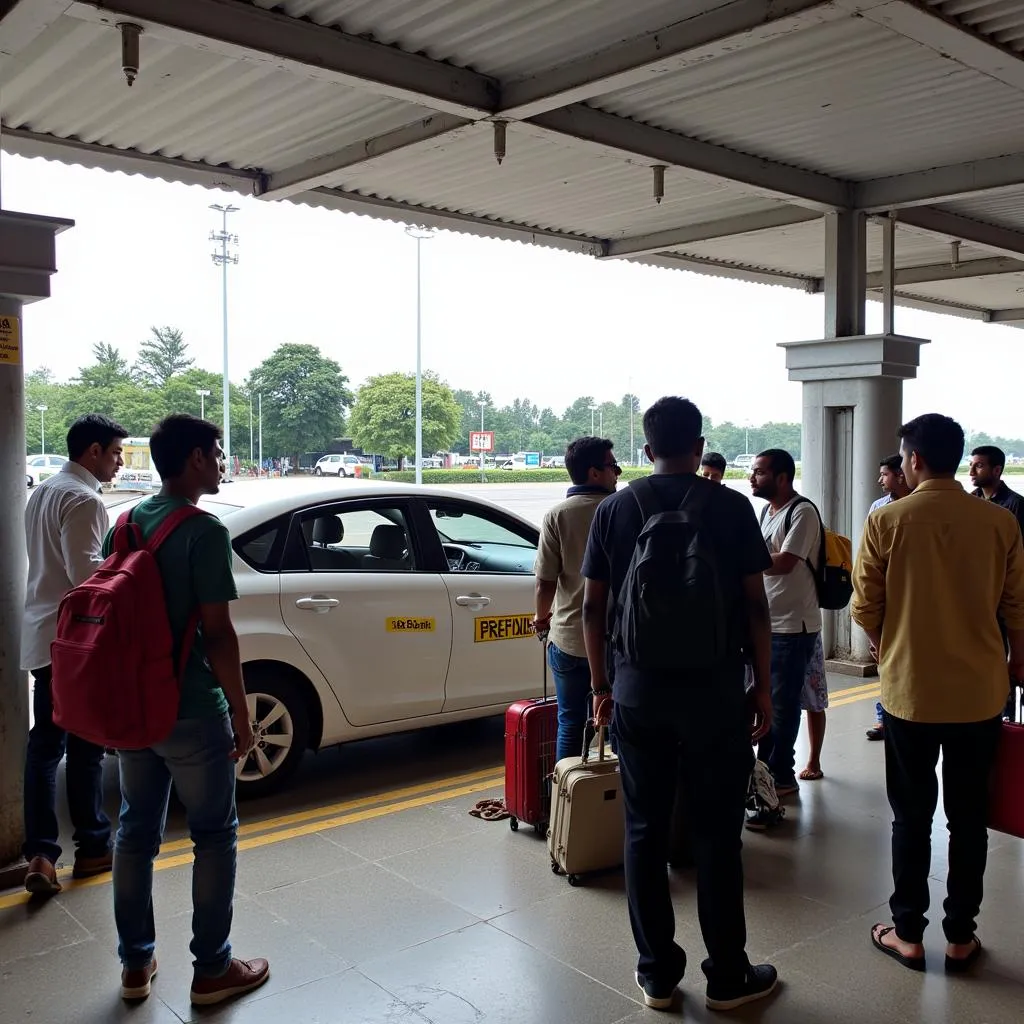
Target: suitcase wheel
(513,823)
(573,879)
(555,868)
(541,828)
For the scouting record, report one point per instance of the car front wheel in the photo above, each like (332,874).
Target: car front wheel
(280,725)
(318,471)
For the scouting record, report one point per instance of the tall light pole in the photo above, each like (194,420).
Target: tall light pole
(593,409)
(41,409)
(260,473)
(420,233)
(632,444)
(483,405)
(223,259)
(203,394)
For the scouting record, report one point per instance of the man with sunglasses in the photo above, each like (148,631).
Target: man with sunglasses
(559,588)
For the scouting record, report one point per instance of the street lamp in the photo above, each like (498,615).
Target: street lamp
(421,234)
(483,405)
(203,394)
(593,409)
(41,409)
(223,259)
(632,443)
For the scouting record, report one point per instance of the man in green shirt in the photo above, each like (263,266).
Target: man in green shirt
(213,732)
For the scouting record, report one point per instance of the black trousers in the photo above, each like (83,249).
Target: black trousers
(709,751)
(911,755)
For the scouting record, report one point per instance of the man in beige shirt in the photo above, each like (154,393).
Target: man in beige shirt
(935,572)
(559,590)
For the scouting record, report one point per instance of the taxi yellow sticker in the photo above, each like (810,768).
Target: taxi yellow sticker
(410,624)
(502,627)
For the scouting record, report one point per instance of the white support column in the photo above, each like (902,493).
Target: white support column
(27,243)
(852,408)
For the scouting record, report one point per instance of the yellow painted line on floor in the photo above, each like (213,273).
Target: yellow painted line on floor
(874,693)
(864,688)
(330,810)
(270,838)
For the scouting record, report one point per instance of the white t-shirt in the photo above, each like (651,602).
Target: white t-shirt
(884,500)
(793,599)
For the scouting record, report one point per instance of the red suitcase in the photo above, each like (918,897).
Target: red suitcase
(531,730)
(1006,807)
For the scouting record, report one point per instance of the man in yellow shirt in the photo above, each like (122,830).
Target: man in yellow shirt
(935,572)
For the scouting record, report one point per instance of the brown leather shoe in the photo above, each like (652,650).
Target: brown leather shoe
(41,879)
(89,867)
(242,976)
(136,985)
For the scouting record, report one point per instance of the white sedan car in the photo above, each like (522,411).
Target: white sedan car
(375,611)
(40,467)
(336,465)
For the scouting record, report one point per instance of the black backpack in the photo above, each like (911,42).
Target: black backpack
(671,609)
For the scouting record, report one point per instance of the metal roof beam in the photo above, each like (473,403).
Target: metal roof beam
(934,272)
(949,38)
(324,170)
(1005,316)
(729,29)
(935,306)
(951,225)
(939,184)
(621,136)
(731,271)
(245,32)
(660,241)
(130,161)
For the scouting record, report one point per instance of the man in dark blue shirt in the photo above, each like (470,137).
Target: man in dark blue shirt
(703,717)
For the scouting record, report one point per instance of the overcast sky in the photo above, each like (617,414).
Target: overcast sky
(512,319)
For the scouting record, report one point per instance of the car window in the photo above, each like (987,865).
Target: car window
(476,541)
(261,548)
(356,540)
(38,461)
(56,460)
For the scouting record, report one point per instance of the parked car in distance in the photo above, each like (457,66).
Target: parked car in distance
(744,462)
(336,465)
(39,467)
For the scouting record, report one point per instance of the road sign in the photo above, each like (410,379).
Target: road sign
(481,441)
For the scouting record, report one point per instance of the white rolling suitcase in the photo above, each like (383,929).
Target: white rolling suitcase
(587,831)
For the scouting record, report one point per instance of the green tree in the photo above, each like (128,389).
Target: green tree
(109,368)
(162,356)
(305,398)
(384,416)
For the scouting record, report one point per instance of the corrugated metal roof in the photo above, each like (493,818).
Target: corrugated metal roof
(845,98)
(188,103)
(800,249)
(550,185)
(1002,21)
(1005,208)
(1006,291)
(504,38)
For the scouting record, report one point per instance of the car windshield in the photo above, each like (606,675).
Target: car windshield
(454,527)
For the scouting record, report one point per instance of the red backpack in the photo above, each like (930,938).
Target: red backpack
(114,678)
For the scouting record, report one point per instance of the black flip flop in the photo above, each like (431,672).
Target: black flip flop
(960,965)
(912,963)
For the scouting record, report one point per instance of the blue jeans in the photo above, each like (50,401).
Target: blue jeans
(878,712)
(572,688)
(791,654)
(47,744)
(196,758)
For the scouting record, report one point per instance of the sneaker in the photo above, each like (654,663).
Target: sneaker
(242,976)
(759,982)
(876,733)
(784,789)
(657,997)
(89,867)
(763,819)
(41,879)
(137,984)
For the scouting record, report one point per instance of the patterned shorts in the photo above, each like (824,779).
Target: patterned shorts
(815,692)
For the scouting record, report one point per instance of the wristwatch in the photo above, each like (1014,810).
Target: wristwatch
(606,692)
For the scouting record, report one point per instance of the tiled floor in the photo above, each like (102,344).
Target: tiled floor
(430,915)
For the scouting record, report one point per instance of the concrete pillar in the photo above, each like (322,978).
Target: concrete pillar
(852,408)
(27,259)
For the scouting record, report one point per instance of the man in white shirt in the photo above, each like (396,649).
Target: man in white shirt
(791,528)
(65,523)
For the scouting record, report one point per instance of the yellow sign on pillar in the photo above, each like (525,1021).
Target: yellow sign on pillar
(10,340)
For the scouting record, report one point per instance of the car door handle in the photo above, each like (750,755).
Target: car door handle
(317,603)
(472,601)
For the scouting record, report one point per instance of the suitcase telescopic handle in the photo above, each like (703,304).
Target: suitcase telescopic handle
(601,731)
(542,636)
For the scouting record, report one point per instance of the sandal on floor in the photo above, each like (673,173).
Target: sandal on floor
(808,776)
(962,964)
(878,932)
